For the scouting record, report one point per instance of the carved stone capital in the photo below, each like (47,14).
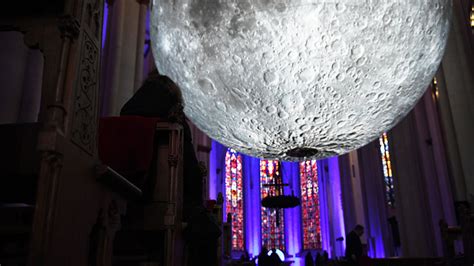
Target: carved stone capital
(69,27)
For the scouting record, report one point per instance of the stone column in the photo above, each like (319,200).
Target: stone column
(456,98)
(356,184)
(332,213)
(290,172)
(14,58)
(112,56)
(141,33)
(120,54)
(31,97)
(374,201)
(345,170)
(416,232)
(423,194)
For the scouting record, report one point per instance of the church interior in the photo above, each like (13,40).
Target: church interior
(82,182)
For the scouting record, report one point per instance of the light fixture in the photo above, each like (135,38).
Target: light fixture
(294,79)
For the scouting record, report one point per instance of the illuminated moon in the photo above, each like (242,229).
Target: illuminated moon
(293,79)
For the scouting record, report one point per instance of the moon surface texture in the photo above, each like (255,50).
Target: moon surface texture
(299,79)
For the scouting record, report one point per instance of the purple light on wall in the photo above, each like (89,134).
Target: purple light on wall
(293,230)
(323,208)
(104,23)
(217,170)
(334,175)
(212,171)
(252,206)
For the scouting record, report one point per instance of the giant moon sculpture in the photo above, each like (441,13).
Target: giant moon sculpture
(293,79)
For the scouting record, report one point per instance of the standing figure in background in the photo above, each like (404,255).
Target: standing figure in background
(354,245)
(308,259)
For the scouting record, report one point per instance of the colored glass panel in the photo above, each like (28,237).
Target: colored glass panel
(234,197)
(387,170)
(310,205)
(273,234)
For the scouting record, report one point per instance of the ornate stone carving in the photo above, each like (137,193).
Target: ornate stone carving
(69,27)
(94,17)
(85,102)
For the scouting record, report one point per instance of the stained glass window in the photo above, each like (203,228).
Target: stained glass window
(273,231)
(310,205)
(387,170)
(435,89)
(234,197)
(471,17)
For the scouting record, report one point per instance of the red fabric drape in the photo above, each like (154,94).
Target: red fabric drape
(126,143)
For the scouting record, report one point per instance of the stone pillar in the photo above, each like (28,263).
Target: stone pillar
(112,56)
(416,232)
(293,219)
(202,147)
(456,98)
(423,194)
(357,193)
(141,33)
(373,187)
(31,97)
(14,59)
(332,213)
(119,62)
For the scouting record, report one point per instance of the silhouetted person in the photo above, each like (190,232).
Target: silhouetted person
(201,234)
(325,258)
(160,97)
(317,261)
(354,245)
(263,258)
(308,259)
(274,258)
(246,256)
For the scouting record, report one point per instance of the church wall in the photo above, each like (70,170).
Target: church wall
(293,216)
(423,193)
(456,95)
(354,203)
(120,74)
(252,209)
(331,199)
(348,203)
(412,211)
(21,79)
(377,229)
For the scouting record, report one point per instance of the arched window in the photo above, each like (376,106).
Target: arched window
(387,170)
(310,205)
(234,196)
(273,224)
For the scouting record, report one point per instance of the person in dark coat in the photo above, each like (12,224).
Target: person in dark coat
(354,245)
(160,97)
(263,258)
(308,259)
(274,258)
(317,261)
